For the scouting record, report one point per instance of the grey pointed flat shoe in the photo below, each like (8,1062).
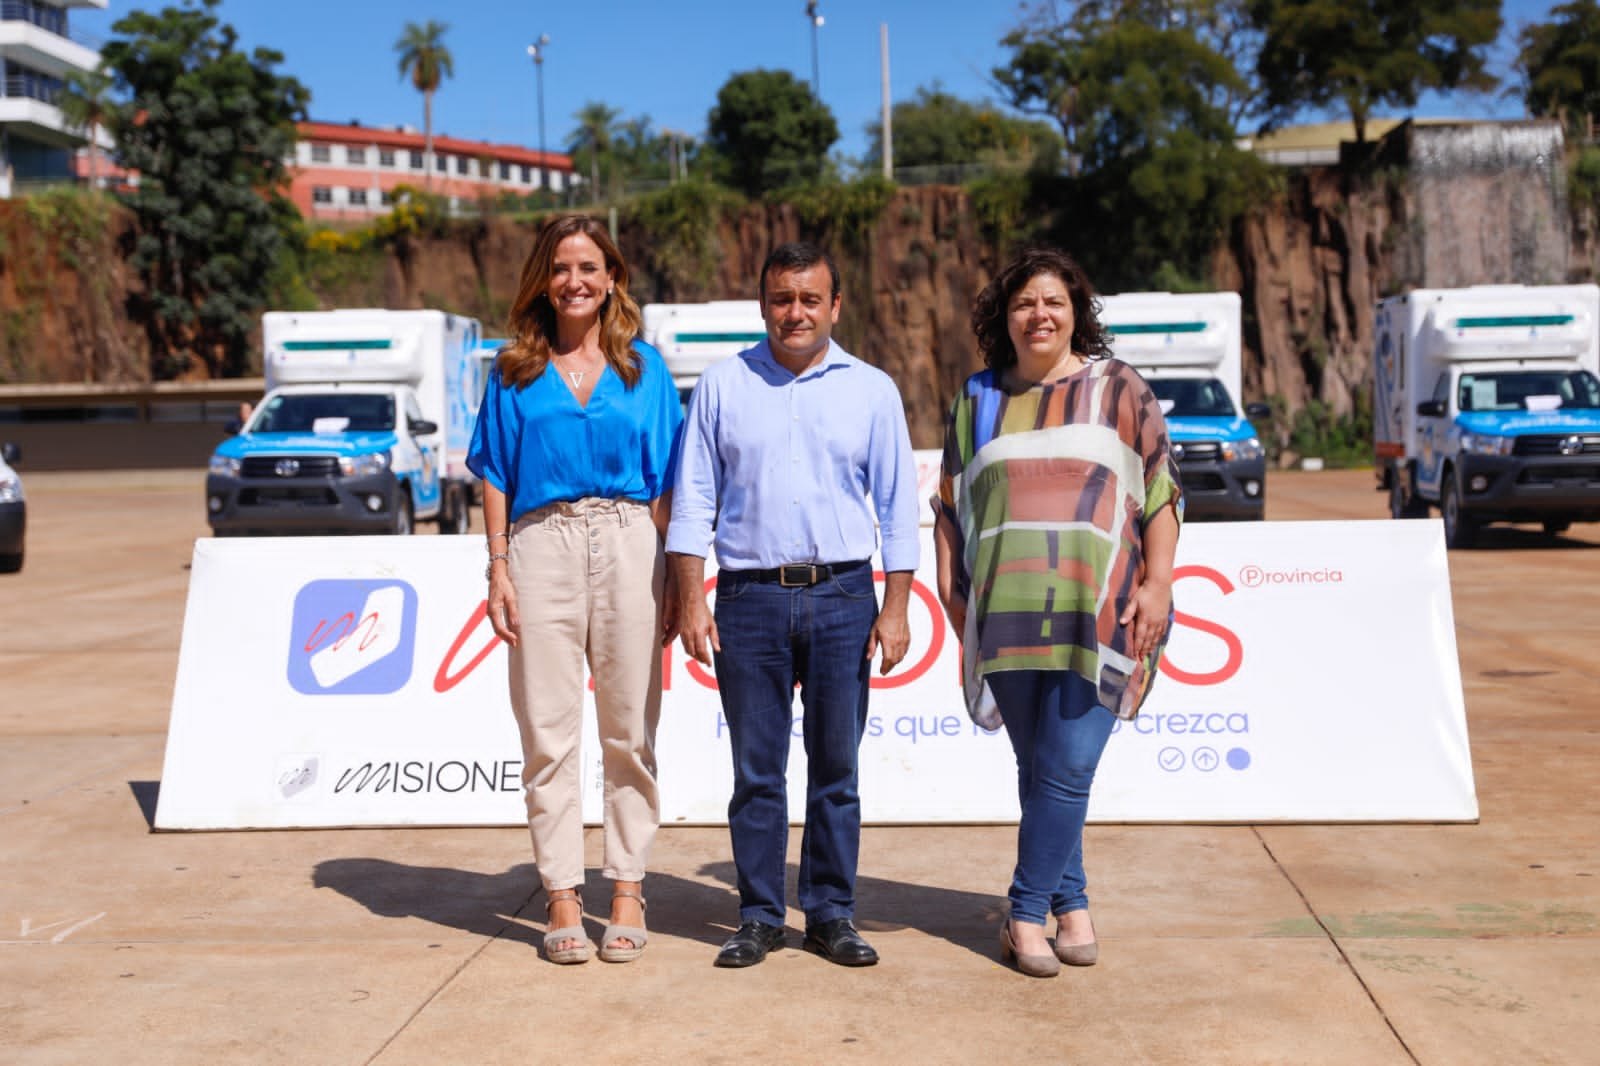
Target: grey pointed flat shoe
(1075,954)
(1032,965)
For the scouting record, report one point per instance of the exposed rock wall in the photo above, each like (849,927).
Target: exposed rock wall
(1428,207)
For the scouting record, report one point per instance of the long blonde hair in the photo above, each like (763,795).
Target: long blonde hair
(532,322)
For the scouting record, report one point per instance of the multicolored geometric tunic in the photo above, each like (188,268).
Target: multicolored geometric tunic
(1051,489)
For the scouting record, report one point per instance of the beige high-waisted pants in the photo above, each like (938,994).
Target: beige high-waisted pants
(589,577)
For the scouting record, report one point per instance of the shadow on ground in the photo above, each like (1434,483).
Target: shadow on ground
(509,904)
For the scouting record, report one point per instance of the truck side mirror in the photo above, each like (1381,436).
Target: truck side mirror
(1257,410)
(10,452)
(422,427)
(232,427)
(1431,408)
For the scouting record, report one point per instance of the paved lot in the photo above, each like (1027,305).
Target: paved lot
(1443,945)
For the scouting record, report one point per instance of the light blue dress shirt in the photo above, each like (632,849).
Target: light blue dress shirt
(785,469)
(538,445)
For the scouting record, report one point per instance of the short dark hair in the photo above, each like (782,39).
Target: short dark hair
(1089,337)
(798,255)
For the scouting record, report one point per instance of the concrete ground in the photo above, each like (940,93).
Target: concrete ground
(1445,945)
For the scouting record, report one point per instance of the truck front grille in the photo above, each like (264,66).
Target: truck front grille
(290,466)
(1197,451)
(1558,444)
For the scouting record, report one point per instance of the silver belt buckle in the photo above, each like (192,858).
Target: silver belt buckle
(797,575)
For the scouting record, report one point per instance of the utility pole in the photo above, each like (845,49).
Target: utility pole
(888,112)
(816,21)
(536,51)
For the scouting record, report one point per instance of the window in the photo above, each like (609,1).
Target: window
(441,162)
(463,165)
(416,161)
(321,153)
(321,194)
(385,157)
(358,197)
(356,157)
(386,197)
(505,171)
(527,175)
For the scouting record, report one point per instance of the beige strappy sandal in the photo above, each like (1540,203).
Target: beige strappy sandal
(609,951)
(569,955)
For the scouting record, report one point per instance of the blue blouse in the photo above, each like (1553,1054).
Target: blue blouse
(537,445)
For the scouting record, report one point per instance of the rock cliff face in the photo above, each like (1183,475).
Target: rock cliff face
(1428,207)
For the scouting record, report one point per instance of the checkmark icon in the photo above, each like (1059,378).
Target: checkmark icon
(1170,759)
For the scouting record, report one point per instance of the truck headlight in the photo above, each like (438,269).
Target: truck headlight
(10,489)
(223,466)
(1484,444)
(1249,448)
(364,465)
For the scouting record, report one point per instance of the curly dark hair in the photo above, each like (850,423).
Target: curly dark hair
(1089,337)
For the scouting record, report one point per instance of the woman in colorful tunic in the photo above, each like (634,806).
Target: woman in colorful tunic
(575,443)
(1057,522)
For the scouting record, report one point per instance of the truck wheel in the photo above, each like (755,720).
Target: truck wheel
(1459,530)
(1402,503)
(10,564)
(403,525)
(455,517)
(1556,527)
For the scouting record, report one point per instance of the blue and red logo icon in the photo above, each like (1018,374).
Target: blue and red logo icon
(351,638)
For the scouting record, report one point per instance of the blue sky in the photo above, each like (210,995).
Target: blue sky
(661,58)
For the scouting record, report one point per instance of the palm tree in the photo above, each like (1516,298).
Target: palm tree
(85,102)
(597,125)
(425,59)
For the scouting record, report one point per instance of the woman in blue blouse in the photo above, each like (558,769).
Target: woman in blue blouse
(575,444)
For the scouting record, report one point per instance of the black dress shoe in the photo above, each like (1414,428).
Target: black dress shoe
(839,942)
(750,944)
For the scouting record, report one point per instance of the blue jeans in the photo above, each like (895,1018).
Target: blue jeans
(773,638)
(1058,731)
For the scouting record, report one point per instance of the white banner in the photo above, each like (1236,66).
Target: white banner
(345,681)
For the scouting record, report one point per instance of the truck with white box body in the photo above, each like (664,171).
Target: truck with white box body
(364,427)
(690,337)
(1486,405)
(1188,347)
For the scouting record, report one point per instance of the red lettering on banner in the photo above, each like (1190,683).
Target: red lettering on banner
(443,680)
(1229,638)
(372,631)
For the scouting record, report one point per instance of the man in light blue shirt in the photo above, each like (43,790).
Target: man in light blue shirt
(790,451)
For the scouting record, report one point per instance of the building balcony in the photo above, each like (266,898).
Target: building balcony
(49,53)
(39,121)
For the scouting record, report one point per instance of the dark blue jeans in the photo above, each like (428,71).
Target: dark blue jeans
(772,639)
(1058,731)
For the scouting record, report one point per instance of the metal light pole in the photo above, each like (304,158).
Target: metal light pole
(536,50)
(816,21)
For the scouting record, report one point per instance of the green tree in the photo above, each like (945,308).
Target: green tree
(937,129)
(1560,63)
(208,129)
(1365,54)
(85,101)
(768,130)
(427,62)
(1144,95)
(591,142)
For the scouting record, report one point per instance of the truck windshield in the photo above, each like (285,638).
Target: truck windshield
(299,413)
(1192,398)
(1528,390)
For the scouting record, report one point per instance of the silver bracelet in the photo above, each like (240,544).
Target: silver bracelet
(488,571)
(501,534)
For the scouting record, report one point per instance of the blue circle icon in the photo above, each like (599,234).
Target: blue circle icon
(1238,758)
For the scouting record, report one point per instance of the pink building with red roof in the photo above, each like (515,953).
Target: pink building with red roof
(349,171)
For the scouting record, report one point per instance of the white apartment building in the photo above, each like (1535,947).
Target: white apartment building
(37,49)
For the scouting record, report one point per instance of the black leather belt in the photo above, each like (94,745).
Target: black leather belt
(797,575)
